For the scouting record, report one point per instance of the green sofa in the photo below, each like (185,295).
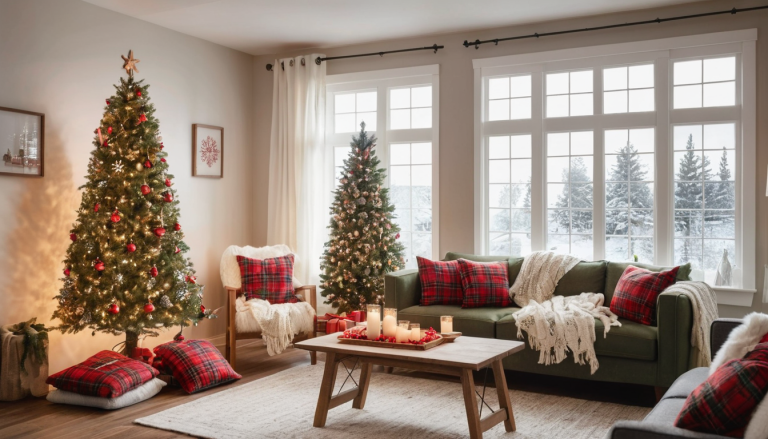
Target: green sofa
(632,353)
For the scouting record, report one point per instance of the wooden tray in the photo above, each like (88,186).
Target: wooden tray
(382,344)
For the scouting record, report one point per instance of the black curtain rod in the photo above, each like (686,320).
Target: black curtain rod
(495,41)
(319,60)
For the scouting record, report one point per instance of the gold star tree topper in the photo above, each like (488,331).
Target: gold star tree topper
(130,63)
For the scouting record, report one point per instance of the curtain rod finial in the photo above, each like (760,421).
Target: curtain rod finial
(269,67)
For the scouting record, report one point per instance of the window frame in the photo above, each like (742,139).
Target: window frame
(382,81)
(661,52)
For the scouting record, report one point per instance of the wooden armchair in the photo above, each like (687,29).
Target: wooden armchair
(305,293)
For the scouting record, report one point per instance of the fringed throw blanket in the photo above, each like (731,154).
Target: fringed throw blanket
(704,304)
(539,276)
(564,324)
(277,323)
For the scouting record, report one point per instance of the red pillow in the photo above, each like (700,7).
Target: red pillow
(440,282)
(269,279)
(106,375)
(765,338)
(637,291)
(484,284)
(196,364)
(724,403)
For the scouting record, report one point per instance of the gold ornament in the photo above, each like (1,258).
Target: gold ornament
(130,63)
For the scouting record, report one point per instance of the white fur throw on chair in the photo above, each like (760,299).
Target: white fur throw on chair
(230,270)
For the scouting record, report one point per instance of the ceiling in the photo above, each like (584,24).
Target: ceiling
(270,26)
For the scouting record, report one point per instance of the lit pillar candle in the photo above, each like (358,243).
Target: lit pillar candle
(446,324)
(415,332)
(403,333)
(374,321)
(389,325)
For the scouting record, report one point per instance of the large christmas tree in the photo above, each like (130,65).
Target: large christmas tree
(125,270)
(363,243)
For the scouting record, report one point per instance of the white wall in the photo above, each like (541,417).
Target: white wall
(61,58)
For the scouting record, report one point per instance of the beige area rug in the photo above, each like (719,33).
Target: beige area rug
(397,407)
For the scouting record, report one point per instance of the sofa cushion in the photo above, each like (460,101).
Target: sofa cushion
(614,270)
(474,322)
(484,284)
(630,340)
(515,263)
(585,277)
(687,383)
(440,282)
(269,279)
(665,412)
(638,291)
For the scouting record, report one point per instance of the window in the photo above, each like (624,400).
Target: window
(628,89)
(653,171)
(569,94)
(569,193)
(705,82)
(404,101)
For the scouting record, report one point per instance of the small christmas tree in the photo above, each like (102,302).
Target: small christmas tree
(363,243)
(125,272)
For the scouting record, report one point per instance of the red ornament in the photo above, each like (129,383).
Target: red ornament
(161,145)
(162,160)
(105,144)
(109,130)
(178,337)
(159,231)
(131,247)
(177,227)
(202,308)
(96,207)
(142,118)
(148,308)
(99,266)
(66,272)
(192,279)
(168,182)
(108,103)
(177,250)
(138,93)
(145,190)
(397,236)
(168,197)
(73,237)
(115,216)
(114,308)
(147,164)
(153,271)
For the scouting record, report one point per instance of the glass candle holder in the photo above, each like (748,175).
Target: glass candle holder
(389,325)
(403,332)
(415,332)
(446,324)
(374,321)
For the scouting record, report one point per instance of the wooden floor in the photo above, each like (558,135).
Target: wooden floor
(37,418)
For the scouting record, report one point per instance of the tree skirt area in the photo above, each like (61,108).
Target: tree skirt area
(399,407)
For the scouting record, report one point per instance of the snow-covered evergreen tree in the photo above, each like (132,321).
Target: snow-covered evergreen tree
(693,170)
(576,194)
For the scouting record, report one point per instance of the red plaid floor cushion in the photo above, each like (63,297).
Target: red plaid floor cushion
(484,284)
(269,279)
(724,403)
(106,374)
(440,282)
(637,291)
(196,364)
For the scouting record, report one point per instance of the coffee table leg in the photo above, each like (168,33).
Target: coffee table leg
(503,392)
(470,403)
(365,379)
(326,389)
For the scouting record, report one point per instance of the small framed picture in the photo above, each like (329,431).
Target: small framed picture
(21,142)
(207,151)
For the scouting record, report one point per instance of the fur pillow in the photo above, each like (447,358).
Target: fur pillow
(741,340)
(230,270)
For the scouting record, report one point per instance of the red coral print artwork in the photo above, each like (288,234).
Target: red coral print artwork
(209,151)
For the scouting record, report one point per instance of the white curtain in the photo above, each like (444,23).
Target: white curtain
(300,167)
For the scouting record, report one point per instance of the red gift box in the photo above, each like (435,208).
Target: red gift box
(330,323)
(357,316)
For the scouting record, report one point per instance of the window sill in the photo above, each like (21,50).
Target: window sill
(734,296)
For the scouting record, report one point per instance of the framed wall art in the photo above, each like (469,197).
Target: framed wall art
(207,151)
(21,142)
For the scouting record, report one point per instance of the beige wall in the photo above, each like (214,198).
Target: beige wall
(61,58)
(456,101)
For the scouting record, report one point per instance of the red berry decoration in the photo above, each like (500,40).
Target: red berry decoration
(177,227)
(115,216)
(73,237)
(113,308)
(105,144)
(192,279)
(168,182)
(138,93)
(162,160)
(147,164)
(108,103)
(202,308)
(131,247)
(96,207)
(145,190)
(99,266)
(109,130)
(159,231)
(161,145)
(142,118)
(177,250)
(168,197)
(178,337)
(66,272)
(397,236)
(153,271)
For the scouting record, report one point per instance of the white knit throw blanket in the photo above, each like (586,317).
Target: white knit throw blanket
(539,276)
(277,323)
(704,304)
(564,324)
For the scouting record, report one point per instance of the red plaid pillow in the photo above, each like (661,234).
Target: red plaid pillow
(106,375)
(723,404)
(440,282)
(196,364)
(269,279)
(484,283)
(637,291)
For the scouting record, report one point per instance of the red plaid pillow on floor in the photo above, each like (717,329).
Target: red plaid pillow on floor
(440,282)
(106,374)
(196,364)
(484,284)
(637,291)
(724,403)
(269,279)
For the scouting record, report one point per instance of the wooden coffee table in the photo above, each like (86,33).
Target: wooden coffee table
(459,358)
